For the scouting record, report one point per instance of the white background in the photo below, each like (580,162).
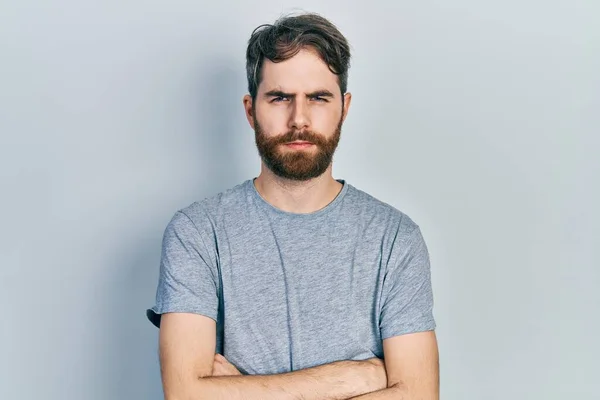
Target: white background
(478,119)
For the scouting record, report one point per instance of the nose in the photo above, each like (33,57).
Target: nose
(299,118)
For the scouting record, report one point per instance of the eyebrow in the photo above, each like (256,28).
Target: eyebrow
(316,93)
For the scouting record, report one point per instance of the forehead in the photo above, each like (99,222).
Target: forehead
(304,72)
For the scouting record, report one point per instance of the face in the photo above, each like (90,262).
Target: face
(297,116)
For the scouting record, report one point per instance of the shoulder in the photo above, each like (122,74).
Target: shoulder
(204,214)
(376,211)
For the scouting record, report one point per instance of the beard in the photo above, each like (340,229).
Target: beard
(297,165)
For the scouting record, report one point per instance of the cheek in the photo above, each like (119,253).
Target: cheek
(324,119)
(273,121)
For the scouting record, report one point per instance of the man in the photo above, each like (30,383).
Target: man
(301,284)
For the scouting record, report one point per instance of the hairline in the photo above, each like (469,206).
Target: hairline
(308,47)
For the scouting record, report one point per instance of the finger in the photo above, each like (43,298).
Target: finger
(219,370)
(223,360)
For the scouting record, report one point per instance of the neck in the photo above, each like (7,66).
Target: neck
(300,197)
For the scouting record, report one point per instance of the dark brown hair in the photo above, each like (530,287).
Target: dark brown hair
(287,36)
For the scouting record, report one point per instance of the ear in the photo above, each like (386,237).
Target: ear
(347,101)
(248,110)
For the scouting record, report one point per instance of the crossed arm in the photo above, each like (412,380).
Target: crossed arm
(187,359)
(412,364)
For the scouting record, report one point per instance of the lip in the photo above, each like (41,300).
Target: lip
(299,144)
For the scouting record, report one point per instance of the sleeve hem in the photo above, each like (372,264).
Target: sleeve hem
(154,314)
(423,326)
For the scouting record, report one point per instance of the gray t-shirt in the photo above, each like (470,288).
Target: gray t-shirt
(291,291)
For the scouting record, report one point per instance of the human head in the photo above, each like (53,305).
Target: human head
(287,36)
(297,70)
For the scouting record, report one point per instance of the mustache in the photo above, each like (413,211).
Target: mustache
(305,136)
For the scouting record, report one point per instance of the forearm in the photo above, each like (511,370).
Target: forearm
(396,393)
(390,393)
(339,380)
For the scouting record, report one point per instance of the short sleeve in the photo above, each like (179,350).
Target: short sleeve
(188,278)
(407,298)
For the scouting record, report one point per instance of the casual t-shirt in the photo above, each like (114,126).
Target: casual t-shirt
(290,291)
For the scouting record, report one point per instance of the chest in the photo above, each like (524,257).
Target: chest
(291,302)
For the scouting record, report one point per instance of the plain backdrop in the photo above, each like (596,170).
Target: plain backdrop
(478,119)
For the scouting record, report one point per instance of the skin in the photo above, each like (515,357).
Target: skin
(300,98)
(191,371)
(300,76)
(222,367)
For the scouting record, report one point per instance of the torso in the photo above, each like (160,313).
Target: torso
(300,290)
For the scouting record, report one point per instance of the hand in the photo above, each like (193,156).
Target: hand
(222,367)
(375,374)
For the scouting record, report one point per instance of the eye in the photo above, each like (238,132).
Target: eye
(278,99)
(319,99)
